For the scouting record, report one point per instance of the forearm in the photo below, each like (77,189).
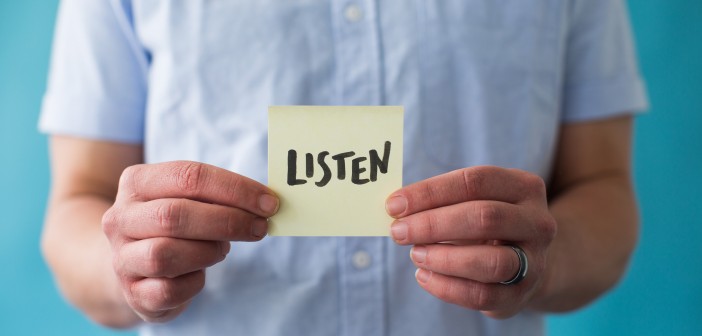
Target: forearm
(79,255)
(597,232)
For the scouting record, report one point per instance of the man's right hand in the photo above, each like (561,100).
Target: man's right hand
(172,220)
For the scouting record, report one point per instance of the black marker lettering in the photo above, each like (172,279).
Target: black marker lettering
(327,172)
(309,169)
(292,169)
(376,163)
(341,163)
(356,171)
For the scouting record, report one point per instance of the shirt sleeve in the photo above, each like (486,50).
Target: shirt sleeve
(97,79)
(601,71)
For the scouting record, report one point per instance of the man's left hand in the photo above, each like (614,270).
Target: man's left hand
(462,224)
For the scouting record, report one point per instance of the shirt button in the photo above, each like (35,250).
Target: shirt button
(353,13)
(361,260)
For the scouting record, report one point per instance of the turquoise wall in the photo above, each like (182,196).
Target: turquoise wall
(660,295)
(29,302)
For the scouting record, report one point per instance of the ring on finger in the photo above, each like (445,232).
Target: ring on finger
(523,266)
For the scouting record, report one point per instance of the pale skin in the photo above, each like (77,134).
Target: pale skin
(129,242)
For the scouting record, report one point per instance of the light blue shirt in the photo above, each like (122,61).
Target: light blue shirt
(482,82)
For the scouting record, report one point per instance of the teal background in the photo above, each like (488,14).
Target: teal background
(660,295)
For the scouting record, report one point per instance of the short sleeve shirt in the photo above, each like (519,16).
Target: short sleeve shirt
(482,82)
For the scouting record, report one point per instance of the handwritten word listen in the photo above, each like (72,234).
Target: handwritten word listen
(375,164)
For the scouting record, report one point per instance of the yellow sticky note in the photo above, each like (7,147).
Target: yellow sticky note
(333,167)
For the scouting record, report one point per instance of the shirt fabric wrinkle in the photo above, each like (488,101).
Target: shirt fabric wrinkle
(482,82)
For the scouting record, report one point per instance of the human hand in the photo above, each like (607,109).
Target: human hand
(459,224)
(172,220)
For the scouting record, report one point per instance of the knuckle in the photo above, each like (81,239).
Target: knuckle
(444,290)
(491,216)
(471,261)
(534,184)
(551,228)
(438,259)
(138,298)
(429,231)
(235,189)
(458,292)
(131,293)
(501,266)
(547,228)
(168,215)
(190,176)
(166,293)
(157,259)
(429,195)
(536,181)
(486,297)
(473,180)
(110,221)
(127,181)
(153,299)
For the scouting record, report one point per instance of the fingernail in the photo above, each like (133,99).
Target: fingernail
(422,275)
(399,231)
(259,228)
(268,204)
(396,205)
(419,254)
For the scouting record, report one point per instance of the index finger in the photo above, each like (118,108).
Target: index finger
(463,185)
(197,181)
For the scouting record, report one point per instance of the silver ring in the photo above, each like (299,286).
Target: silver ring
(523,266)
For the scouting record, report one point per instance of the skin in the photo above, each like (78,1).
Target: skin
(164,224)
(578,243)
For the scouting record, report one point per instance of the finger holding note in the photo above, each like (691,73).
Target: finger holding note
(462,225)
(170,221)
